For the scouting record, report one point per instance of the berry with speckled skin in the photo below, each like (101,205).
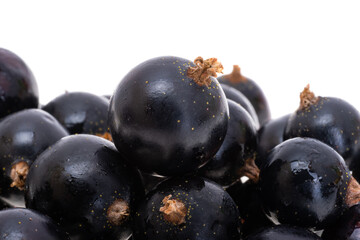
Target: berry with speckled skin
(21,223)
(283,232)
(187,208)
(85,185)
(328,119)
(239,147)
(81,112)
(251,90)
(18,87)
(23,136)
(305,182)
(166,120)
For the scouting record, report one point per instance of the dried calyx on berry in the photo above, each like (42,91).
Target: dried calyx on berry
(204,69)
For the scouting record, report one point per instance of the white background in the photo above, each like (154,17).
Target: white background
(282,45)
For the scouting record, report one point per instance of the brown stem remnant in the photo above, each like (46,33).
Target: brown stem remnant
(18,174)
(204,69)
(250,170)
(105,135)
(118,212)
(353,193)
(307,98)
(235,76)
(174,210)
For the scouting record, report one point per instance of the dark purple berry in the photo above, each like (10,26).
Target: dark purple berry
(169,115)
(81,112)
(85,185)
(187,208)
(24,135)
(21,223)
(18,87)
(305,182)
(328,119)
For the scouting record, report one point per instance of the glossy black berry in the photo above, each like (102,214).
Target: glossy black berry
(187,208)
(18,87)
(305,183)
(270,135)
(21,223)
(23,136)
(246,197)
(345,226)
(237,96)
(283,232)
(85,185)
(236,156)
(251,90)
(168,115)
(81,112)
(328,119)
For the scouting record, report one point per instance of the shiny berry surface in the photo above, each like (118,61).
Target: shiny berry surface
(80,112)
(187,208)
(330,120)
(164,121)
(85,185)
(304,182)
(21,223)
(24,135)
(18,87)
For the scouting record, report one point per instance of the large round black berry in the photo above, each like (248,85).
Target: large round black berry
(328,119)
(187,208)
(85,185)
(168,115)
(81,112)
(23,136)
(18,87)
(21,223)
(305,182)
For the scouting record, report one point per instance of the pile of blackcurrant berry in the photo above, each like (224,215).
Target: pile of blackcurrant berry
(176,153)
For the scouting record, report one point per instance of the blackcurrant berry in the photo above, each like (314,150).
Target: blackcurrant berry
(168,115)
(18,87)
(305,182)
(85,185)
(187,208)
